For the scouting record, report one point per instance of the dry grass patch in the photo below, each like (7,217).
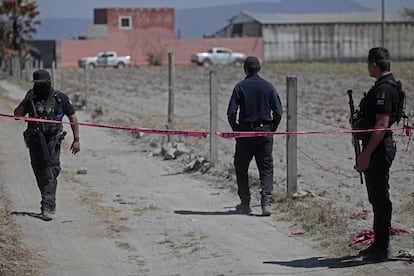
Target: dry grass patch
(189,243)
(141,210)
(405,210)
(317,217)
(125,246)
(16,258)
(90,197)
(110,214)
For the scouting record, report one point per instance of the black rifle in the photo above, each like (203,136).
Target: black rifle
(355,140)
(39,131)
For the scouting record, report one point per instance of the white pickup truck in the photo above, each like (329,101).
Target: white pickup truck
(218,55)
(105,59)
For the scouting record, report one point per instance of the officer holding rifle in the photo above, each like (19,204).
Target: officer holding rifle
(379,109)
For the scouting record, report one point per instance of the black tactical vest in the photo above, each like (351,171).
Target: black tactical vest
(366,116)
(47,109)
(366,110)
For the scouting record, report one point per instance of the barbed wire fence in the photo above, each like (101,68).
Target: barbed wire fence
(128,82)
(22,69)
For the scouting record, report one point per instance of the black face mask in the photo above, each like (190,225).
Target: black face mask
(41,89)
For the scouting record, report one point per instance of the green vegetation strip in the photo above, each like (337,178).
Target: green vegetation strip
(404,70)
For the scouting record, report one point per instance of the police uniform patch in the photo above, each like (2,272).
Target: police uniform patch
(380,95)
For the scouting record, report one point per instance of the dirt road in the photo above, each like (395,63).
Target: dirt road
(132,214)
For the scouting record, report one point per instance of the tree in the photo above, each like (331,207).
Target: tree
(17,23)
(407,12)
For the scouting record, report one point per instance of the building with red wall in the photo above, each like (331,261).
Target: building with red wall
(144,33)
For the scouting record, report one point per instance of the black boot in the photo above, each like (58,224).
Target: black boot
(266,202)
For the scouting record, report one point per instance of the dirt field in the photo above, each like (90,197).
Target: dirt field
(140,98)
(138,209)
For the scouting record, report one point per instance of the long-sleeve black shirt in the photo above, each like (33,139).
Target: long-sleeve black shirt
(258,102)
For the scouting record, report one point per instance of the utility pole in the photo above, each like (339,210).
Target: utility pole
(383,23)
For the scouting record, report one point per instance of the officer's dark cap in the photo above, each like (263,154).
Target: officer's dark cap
(41,76)
(252,64)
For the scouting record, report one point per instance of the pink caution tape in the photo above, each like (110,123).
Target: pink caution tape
(191,133)
(297,232)
(239,134)
(367,237)
(360,214)
(204,134)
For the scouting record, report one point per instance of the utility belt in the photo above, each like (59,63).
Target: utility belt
(364,136)
(387,135)
(256,126)
(361,124)
(49,129)
(33,132)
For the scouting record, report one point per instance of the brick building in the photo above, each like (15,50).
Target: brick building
(143,34)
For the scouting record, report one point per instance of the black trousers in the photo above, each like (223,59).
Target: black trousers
(376,178)
(261,148)
(46,173)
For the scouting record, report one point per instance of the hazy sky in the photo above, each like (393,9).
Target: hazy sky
(84,8)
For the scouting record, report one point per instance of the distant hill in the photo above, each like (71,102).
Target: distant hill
(195,22)
(62,28)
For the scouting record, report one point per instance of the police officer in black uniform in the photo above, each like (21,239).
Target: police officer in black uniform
(260,110)
(378,110)
(44,139)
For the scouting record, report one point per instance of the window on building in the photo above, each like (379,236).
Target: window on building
(125,22)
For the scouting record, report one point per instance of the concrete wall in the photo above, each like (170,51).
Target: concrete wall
(152,41)
(313,42)
(96,31)
(400,41)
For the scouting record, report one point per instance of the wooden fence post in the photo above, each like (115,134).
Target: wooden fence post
(171,74)
(87,82)
(54,81)
(291,139)
(213,117)
(28,70)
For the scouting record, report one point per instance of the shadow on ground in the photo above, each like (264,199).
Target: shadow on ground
(207,213)
(230,211)
(315,262)
(29,214)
